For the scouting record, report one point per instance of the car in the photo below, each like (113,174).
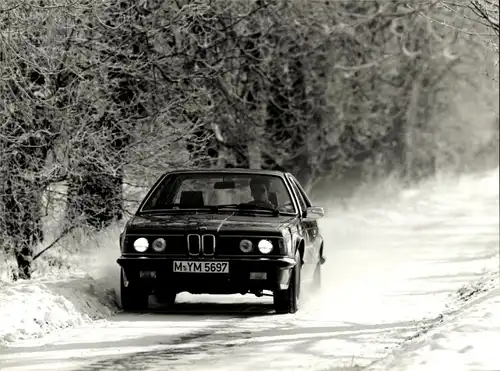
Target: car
(222,231)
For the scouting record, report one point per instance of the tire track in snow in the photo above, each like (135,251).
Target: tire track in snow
(186,351)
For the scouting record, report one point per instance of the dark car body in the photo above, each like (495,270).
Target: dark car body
(203,250)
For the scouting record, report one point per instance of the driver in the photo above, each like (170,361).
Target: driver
(260,193)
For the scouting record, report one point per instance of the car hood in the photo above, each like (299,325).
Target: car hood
(220,223)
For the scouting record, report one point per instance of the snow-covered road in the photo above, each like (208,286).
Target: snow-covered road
(392,271)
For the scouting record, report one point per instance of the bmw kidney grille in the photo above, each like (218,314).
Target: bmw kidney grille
(208,245)
(204,245)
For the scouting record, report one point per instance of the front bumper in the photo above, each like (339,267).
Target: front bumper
(245,275)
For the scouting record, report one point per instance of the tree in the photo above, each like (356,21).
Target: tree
(488,14)
(100,95)
(474,17)
(83,114)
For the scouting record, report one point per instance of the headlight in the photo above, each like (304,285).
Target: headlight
(246,246)
(265,246)
(159,245)
(141,244)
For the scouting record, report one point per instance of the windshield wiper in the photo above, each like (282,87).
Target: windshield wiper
(249,207)
(179,207)
(228,206)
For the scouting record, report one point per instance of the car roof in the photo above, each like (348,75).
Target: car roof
(229,171)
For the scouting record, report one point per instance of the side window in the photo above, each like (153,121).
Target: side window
(302,192)
(298,193)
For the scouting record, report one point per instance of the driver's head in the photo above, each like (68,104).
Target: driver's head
(259,189)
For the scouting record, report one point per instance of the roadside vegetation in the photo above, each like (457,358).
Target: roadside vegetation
(99,97)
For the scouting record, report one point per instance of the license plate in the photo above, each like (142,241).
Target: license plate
(201,267)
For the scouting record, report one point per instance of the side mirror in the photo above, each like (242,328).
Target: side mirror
(313,213)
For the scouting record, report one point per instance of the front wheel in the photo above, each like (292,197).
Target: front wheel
(165,297)
(132,297)
(287,301)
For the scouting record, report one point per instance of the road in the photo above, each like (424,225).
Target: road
(392,269)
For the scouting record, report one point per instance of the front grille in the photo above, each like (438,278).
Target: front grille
(208,245)
(194,244)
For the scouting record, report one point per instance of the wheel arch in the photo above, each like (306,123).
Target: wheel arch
(301,248)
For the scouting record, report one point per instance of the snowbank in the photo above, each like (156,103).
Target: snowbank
(33,308)
(467,339)
(73,283)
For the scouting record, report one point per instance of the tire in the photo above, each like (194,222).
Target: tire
(133,299)
(165,297)
(287,301)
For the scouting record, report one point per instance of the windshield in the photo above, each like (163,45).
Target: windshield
(202,190)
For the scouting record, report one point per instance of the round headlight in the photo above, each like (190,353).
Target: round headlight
(246,246)
(141,244)
(265,246)
(159,245)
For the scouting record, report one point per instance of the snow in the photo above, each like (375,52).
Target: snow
(80,290)
(410,283)
(34,308)
(468,340)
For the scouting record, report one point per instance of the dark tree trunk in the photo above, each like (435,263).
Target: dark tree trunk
(23,188)
(95,197)
(203,147)
(285,113)
(23,225)
(95,192)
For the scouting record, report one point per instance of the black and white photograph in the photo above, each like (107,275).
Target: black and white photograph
(241,185)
